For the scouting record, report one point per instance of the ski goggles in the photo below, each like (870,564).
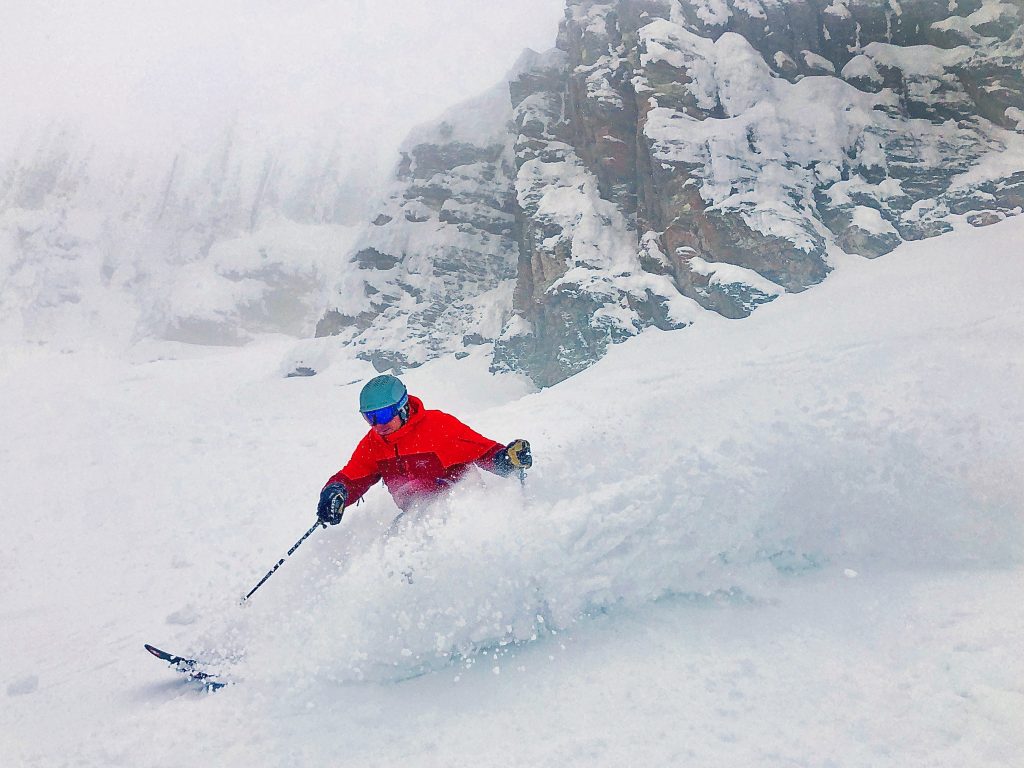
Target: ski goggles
(386,414)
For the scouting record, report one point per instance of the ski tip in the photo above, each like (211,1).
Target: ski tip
(155,651)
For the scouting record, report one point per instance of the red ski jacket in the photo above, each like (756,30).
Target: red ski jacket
(430,452)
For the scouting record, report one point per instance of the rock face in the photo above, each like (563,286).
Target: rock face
(677,156)
(435,270)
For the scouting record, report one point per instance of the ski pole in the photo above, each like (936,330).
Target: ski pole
(280,562)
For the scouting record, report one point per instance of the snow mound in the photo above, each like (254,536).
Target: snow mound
(874,423)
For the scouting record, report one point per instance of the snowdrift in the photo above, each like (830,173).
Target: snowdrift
(872,426)
(873,423)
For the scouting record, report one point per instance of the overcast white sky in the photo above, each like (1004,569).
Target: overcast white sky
(131,70)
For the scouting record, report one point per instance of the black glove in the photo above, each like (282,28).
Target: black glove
(332,504)
(514,456)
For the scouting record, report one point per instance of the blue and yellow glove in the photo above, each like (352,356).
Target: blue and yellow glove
(514,457)
(332,504)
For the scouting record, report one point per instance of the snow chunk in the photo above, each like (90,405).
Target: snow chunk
(921,60)
(592,18)
(816,61)
(890,188)
(712,12)
(992,11)
(516,326)
(783,60)
(187,615)
(751,8)
(599,82)
(957,24)
(722,273)
(838,9)
(870,220)
(1016,116)
(997,164)
(23,686)
(861,66)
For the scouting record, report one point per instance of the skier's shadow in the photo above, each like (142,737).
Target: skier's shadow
(165,691)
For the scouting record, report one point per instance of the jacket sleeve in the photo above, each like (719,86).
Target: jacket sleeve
(359,475)
(462,445)
(487,460)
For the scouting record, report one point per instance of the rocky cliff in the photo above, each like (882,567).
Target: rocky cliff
(676,156)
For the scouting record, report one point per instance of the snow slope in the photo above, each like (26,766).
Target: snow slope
(791,540)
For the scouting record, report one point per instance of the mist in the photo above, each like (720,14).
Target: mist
(198,171)
(146,76)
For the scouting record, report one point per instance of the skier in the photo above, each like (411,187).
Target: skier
(418,453)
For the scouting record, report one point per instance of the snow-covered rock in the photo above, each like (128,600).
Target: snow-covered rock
(435,269)
(676,154)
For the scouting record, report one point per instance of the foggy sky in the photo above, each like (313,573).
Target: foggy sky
(138,73)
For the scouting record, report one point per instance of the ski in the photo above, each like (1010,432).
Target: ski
(188,667)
